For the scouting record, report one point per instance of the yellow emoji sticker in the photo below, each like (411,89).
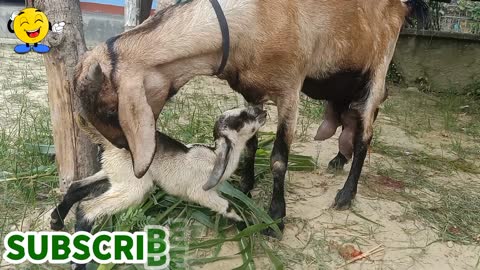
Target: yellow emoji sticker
(31,26)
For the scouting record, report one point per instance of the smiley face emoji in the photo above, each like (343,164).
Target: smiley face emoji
(31,25)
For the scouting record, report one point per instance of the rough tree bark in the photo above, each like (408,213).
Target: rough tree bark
(136,11)
(161,4)
(132,13)
(145,9)
(75,154)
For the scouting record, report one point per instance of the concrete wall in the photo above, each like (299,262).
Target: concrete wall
(448,60)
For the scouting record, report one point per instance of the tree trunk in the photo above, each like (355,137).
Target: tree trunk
(132,13)
(145,9)
(75,154)
(161,4)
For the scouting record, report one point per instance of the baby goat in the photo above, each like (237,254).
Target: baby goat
(180,170)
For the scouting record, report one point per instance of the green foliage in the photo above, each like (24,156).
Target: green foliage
(472,11)
(473,90)
(394,75)
(472,8)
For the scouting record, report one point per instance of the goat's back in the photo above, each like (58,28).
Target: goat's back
(180,169)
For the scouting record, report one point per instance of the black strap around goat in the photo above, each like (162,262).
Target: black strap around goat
(225,35)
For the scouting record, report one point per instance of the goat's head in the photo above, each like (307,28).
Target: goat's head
(101,96)
(233,129)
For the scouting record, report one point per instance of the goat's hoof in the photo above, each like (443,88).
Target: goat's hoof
(343,200)
(56,223)
(271,233)
(337,163)
(246,189)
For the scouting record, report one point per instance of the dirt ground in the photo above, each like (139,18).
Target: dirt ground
(382,212)
(378,216)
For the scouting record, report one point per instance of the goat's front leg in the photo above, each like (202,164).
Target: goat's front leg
(248,171)
(287,107)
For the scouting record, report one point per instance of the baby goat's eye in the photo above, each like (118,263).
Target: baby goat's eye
(253,130)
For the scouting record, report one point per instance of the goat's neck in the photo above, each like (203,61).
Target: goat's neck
(181,32)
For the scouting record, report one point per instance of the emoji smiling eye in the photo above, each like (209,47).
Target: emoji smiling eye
(23,21)
(38,20)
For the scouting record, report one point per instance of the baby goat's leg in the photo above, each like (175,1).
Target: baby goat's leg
(212,200)
(78,190)
(82,225)
(119,196)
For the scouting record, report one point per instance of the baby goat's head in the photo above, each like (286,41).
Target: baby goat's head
(233,129)
(239,125)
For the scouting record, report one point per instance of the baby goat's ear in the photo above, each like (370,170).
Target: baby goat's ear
(221,163)
(138,124)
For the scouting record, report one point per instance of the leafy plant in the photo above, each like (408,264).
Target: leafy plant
(473,89)
(394,75)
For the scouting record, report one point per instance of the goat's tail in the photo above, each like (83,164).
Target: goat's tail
(418,9)
(95,136)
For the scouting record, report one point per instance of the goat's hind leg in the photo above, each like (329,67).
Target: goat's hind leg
(367,113)
(77,191)
(349,190)
(82,225)
(346,140)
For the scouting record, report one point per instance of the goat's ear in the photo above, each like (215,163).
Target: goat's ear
(95,74)
(221,163)
(138,124)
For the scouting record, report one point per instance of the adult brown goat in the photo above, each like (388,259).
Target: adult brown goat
(333,50)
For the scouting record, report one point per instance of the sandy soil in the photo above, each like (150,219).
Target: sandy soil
(409,244)
(377,216)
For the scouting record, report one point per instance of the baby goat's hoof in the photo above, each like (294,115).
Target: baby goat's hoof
(56,222)
(343,200)
(233,215)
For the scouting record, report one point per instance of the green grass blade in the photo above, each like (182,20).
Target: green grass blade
(276,262)
(227,189)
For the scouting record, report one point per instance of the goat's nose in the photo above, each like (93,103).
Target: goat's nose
(258,109)
(262,116)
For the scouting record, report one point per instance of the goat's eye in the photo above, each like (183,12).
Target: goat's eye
(253,130)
